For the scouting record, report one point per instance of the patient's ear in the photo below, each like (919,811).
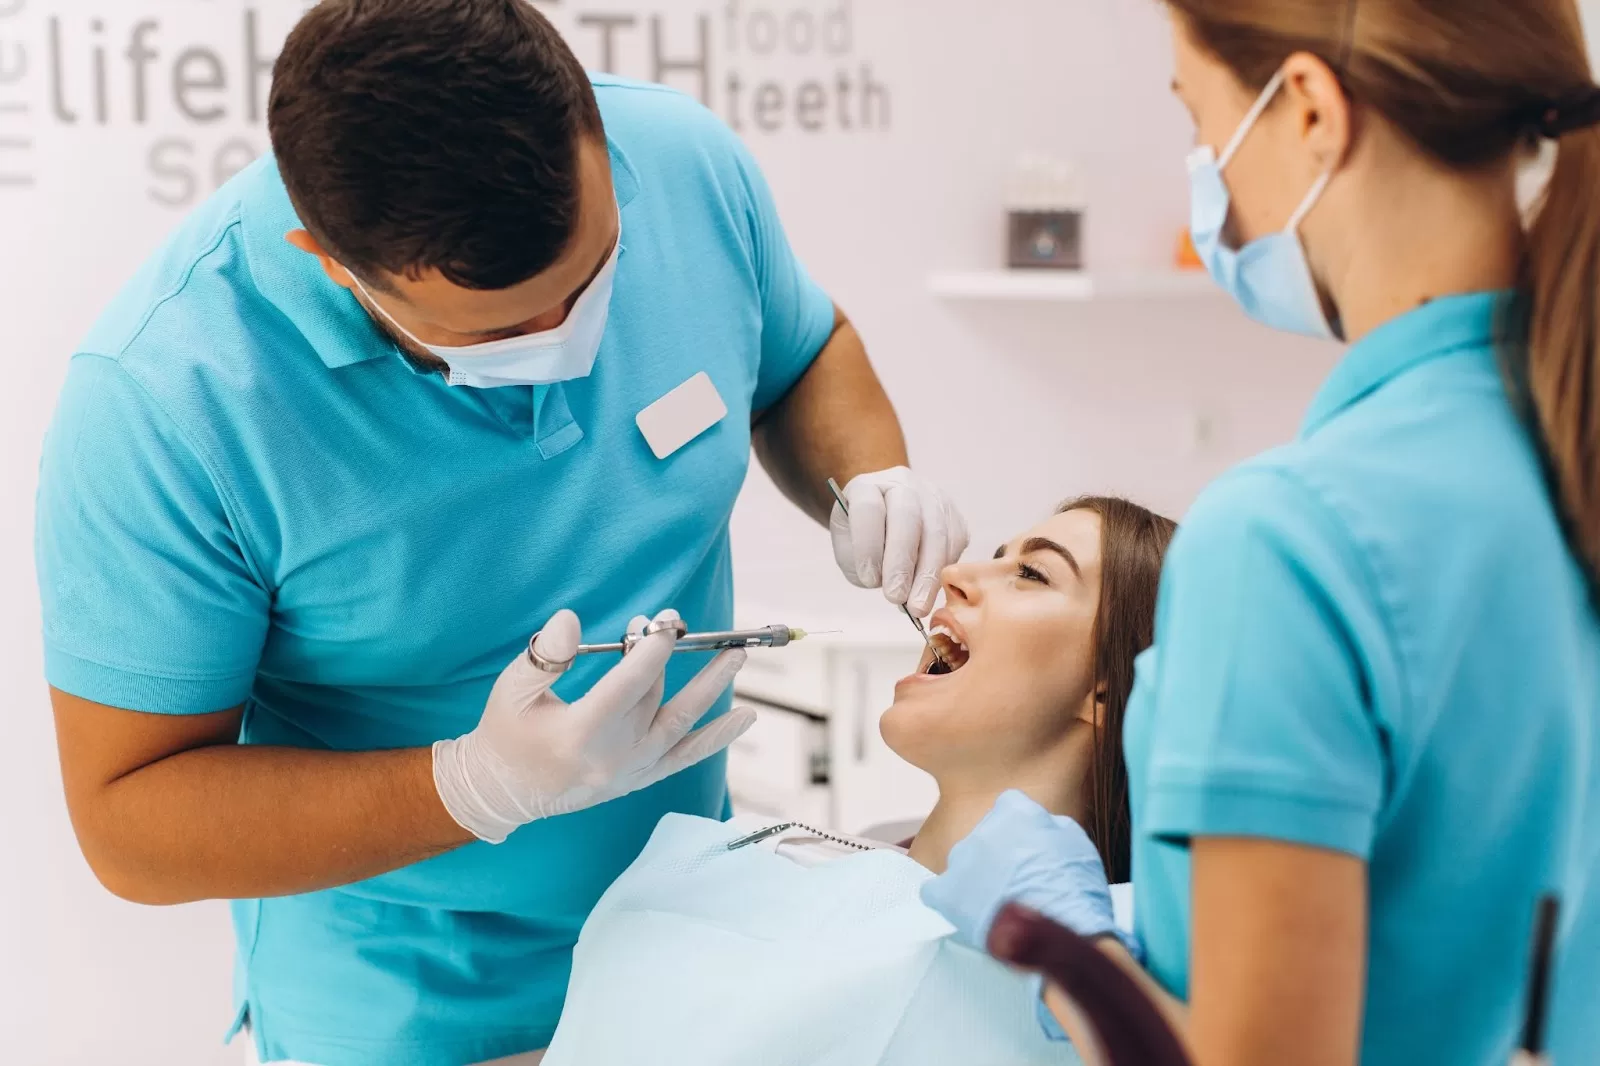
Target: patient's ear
(1093,711)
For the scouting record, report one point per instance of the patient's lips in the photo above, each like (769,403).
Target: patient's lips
(951,642)
(948,636)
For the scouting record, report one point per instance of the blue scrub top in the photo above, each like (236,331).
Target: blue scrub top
(1375,641)
(249,497)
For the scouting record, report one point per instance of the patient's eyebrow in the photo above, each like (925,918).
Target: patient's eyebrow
(1045,544)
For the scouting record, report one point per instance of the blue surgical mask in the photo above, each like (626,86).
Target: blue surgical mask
(1270,277)
(565,353)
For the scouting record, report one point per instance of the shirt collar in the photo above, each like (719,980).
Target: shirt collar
(326,314)
(1438,328)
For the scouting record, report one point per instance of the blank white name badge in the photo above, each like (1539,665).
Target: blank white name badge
(682,415)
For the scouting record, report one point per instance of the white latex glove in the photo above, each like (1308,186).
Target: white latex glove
(900,533)
(534,756)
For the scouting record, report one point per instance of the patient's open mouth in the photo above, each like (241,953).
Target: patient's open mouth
(953,653)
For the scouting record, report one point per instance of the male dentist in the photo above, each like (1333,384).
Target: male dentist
(482,349)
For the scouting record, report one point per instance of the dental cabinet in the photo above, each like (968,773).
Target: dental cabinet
(815,754)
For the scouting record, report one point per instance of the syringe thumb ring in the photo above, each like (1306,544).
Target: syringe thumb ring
(551,666)
(676,625)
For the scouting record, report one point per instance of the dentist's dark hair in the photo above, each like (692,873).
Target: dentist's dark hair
(1133,548)
(418,135)
(1472,83)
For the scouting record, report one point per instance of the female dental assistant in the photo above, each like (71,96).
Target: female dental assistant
(1367,739)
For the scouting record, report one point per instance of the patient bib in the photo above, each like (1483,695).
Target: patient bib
(702,956)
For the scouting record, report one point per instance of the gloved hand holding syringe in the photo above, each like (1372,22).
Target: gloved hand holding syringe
(533,755)
(765,637)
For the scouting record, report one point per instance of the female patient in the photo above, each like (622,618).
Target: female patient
(803,950)
(1043,639)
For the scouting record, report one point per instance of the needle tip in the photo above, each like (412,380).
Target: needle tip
(802,634)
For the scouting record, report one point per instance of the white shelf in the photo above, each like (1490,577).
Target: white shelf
(1070,286)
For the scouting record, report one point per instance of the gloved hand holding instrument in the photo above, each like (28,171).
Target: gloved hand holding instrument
(535,756)
(895,530)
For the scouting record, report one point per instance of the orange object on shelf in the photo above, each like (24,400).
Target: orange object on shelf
(1188,258)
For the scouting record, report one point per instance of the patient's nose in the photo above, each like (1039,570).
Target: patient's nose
(960,582)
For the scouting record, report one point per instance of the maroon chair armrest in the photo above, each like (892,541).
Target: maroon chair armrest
(1130,1027)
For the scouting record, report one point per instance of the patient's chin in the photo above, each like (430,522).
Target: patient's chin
(904,735)
(923,736)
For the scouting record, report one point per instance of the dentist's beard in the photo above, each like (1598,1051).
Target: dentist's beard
(417,356)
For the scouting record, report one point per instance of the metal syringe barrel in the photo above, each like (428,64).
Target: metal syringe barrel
(766,637)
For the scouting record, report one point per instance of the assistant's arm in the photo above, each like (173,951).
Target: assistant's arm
(1277,963)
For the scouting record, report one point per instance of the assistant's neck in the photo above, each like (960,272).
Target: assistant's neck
(1423,237)
(1057,780)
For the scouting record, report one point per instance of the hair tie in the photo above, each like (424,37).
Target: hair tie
(1554,119)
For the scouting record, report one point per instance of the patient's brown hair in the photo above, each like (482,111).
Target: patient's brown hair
(1133,546)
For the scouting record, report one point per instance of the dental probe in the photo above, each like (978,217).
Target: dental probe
(838,494)
(766,637)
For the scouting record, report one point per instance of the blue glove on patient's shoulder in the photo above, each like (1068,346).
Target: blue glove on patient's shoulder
(1021,853)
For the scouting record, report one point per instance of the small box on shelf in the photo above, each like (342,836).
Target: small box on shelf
(1046,240)
(1045,216)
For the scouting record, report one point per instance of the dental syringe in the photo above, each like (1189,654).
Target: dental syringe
(766,637)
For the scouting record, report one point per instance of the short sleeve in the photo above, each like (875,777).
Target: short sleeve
(1261,724)
(149,604)
(797,316)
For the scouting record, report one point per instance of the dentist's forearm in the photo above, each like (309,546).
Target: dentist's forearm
(201,817)
(836,422)
(242,822)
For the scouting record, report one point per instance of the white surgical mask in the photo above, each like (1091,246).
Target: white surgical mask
(1270,277)
(565,353)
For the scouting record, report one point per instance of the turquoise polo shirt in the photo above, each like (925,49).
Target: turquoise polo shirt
(1374,641)
(250,497)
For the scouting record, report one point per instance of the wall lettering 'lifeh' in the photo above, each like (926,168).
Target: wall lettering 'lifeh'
(199,85)
(16,130)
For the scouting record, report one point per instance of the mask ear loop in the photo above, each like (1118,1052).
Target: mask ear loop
(387,317)
(1311,200)
(1251,118)
(1259,108)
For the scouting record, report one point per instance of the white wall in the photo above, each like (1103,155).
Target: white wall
(1014,407)
(1011,407)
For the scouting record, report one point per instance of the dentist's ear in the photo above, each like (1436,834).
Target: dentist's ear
(308,244)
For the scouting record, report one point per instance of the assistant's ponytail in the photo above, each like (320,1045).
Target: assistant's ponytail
(1556,374)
